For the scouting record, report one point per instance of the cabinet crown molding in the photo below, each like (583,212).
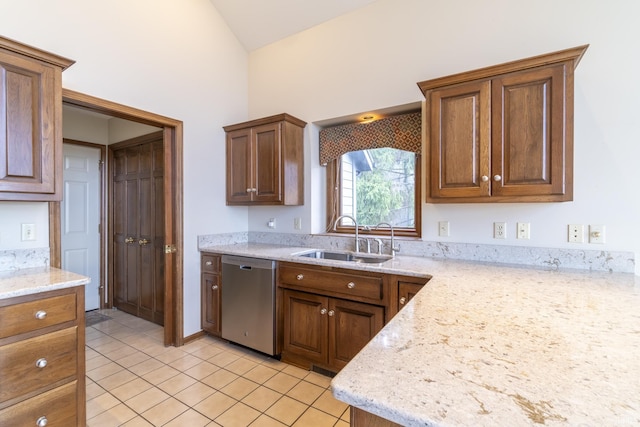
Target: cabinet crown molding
(567,55)
(35,53)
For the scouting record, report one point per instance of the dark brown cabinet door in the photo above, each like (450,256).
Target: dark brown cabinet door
(351,326)
(460,138)
(138,229)
(211,303)
(305,326)
(265,162)
(528,133)
(239,171)
(266,145)
(30,135)
(406,291)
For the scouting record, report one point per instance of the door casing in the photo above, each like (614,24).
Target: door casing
(173,208)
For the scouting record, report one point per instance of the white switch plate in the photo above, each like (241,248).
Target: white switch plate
(499,230)
(271,223)
(443,228)
(576,233)
(596,234)
(297,223)
(28,232)
(523,230)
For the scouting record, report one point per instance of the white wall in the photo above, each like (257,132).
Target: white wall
(174,58)
(373,58)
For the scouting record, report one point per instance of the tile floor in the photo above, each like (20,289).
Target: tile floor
(133,380)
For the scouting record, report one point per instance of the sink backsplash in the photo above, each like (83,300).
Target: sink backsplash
(596,260)
(16,259)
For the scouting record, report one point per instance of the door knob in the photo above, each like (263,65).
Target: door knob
(129,240)
(143,242)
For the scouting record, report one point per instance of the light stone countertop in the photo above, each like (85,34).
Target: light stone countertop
(34,280)
(489,345)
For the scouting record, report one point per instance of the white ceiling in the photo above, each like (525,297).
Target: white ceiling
(258,23)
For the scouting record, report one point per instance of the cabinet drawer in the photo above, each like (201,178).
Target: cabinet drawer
(58,406)
(340,283)
(18,362)
(210,263)
(29,316)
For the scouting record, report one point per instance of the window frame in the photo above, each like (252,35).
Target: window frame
(334,195)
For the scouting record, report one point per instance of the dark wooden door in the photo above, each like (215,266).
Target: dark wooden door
(239,172)
(138,227)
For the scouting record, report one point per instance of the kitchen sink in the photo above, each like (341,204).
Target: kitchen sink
(346,256)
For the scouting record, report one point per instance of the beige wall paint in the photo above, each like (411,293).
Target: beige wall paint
(372,59)
(173,58)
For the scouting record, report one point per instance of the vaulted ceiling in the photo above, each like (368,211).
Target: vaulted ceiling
(258,23)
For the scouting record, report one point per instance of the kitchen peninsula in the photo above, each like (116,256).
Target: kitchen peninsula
(42,354)
(486,344)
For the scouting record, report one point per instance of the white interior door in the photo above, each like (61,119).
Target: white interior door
(80,217)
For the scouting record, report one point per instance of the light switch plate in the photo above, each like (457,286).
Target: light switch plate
(443,228)
(28,232)
(596,234)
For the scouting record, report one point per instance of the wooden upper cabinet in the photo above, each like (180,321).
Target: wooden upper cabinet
(265,161)
(503,133)
(30,122)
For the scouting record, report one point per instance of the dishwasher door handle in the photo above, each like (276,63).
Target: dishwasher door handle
(245,267)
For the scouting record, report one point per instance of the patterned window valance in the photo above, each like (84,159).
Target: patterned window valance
(403,132)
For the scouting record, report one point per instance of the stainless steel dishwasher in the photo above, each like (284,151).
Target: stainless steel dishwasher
(248,302)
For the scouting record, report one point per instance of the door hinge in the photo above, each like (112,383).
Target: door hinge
(170,249)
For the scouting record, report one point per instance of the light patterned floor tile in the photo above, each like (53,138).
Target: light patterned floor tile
(115,416)
(147,399)
(305,392)
(165,411)
(214,405)
(189,418)
(261,398)
(315,418)
(237,416)
(286,410)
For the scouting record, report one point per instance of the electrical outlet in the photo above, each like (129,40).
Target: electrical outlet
(271,223)
(443,228)
(499,230)
(28,232)
(576,233)
(523,230)
(596,234)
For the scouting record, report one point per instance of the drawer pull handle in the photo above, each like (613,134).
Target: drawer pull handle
(41,363)
(214,287)
(41,314)
(323,311)
(403,300)
(351,285)
(42,421)
(299,277)
(331,313)
(208,263)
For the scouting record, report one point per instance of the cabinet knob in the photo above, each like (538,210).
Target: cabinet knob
(41,363)
(497,178)
(403,300)
(351,285)
(331,313)
(323,311)
(42,421)
(214,287)
(484,178)
(129,240)
(208,263)
(299,277)
(41,314)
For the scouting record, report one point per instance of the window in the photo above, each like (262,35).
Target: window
(374,186)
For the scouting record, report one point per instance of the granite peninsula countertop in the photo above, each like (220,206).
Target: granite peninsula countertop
(490,345)
(28,281)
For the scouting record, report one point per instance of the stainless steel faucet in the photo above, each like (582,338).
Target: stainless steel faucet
(394,249)
(355,224)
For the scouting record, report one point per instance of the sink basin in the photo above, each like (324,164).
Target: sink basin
(346,256)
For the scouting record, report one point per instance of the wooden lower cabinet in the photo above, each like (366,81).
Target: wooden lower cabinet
(211,288)
(361,418)
(406,291)
(42,359)
(325,331)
